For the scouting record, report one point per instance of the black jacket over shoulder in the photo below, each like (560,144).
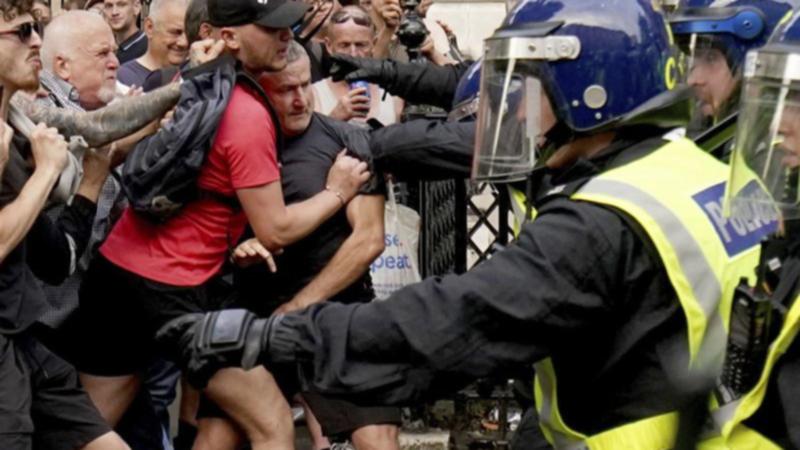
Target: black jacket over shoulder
(582,285)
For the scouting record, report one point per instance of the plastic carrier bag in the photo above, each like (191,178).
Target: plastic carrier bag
(397,266)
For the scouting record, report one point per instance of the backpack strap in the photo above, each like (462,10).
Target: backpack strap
(245,78)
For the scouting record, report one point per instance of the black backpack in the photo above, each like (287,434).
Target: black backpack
(159,176)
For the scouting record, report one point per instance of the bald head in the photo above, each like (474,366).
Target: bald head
(68,32)
(79,48)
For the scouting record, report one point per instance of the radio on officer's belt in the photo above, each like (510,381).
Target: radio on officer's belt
(751,324)
(748,343)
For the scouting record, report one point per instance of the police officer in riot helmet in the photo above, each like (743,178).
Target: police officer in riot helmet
(758,391)
(616,291)
(715,35)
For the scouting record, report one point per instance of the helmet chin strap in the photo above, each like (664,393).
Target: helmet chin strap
(555,138)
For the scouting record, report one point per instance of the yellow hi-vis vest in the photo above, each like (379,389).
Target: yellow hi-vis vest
(519,208)
(675,193)
(729,431)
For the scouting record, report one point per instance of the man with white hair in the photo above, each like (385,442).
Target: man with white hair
(80,73)
(168,46)
(79,61)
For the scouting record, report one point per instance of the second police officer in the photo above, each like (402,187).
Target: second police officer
(618,291)
(715,35)
(756,397)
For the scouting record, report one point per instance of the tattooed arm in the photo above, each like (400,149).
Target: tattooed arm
(104,125)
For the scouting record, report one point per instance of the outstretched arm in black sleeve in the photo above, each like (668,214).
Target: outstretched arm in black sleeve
(427,84)
(555,283)
(424,149)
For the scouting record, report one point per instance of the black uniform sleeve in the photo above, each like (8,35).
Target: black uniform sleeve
(786,373)
(415,150)
(427,84)
(54,248)
(424,149)
(431,337)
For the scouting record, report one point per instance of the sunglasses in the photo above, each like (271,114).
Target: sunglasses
(344,16)
(25,31)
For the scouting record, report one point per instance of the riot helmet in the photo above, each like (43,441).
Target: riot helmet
(465,100)
(555,71)
(766,159)
(715,36)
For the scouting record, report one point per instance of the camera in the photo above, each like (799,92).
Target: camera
(412,31)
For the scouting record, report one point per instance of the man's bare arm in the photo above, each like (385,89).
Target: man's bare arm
(104,125)
(352,259)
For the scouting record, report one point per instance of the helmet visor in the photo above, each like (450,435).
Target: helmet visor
(704,53)
(698,31)
(764,166)
(706,68)
(512,100)
(509,121)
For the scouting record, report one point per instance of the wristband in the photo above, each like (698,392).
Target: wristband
(337,194)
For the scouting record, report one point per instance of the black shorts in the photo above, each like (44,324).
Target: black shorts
(42,404)
(111,333)
(338,417)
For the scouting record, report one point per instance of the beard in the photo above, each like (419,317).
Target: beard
(29,82)
(107,93)
(18,71)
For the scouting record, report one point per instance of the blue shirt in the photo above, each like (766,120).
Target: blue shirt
(133,74)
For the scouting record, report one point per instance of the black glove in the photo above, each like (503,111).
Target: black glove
(382,72)
(204,343)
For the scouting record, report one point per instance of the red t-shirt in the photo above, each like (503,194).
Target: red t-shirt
(191,247)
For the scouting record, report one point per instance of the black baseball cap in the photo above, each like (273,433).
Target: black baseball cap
(267,13)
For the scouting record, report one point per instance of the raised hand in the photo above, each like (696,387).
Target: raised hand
(346,176)
(355,103)
(204,51)
(49,148)
(391,13)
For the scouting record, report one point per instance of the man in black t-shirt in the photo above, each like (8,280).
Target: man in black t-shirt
(331,263)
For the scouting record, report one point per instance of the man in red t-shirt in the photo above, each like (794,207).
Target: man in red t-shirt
(148,273)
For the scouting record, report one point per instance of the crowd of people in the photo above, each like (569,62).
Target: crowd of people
(193,192)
